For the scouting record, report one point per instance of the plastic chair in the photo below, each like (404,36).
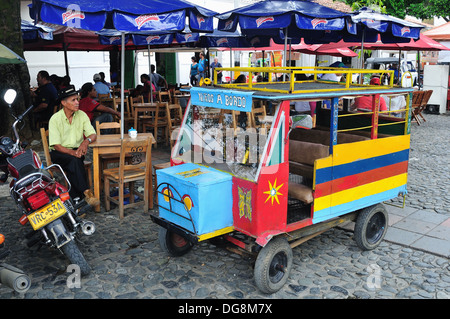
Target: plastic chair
(137,169)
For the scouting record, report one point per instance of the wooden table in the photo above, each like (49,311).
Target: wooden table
(110,144)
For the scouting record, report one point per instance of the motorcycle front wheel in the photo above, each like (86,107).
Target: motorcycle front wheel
(75,256)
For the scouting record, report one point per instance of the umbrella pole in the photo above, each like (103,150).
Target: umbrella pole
(284,55)
(150,74)
(361,80)
(66,61)
(122,85)
(231,65)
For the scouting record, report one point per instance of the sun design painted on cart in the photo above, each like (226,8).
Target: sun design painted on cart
(273,192)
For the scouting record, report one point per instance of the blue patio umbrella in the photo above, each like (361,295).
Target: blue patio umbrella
(31,32)
(281,19)
(128,16)
(367,25)
(223,39)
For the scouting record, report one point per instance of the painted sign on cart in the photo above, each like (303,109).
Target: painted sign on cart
(222,99)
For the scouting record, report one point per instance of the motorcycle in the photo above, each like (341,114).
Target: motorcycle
(44,202)
(10,276)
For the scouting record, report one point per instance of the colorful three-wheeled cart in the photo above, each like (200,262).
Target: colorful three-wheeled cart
(269,165)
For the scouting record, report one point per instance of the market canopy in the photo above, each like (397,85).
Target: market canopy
(222,39)
(294,19)
(126,16)
(33,32)
(423,44)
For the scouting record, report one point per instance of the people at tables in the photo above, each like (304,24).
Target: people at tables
(101,87)
(44,98)
(70,133)
(145,80)
(365,102)
(90,106)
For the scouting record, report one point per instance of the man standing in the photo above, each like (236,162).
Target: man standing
(67,131)
(216,64)
(157,79)
(44,98)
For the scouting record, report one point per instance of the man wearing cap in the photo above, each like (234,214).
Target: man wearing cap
(67,131)
(100,87)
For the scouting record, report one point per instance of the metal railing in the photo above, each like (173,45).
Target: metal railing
(292,72)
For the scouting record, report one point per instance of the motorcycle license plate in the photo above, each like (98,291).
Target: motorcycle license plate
(47,214)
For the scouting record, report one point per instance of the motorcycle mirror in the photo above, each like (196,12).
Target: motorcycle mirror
(10,96)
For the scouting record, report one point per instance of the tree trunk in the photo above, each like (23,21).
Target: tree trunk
(15,76)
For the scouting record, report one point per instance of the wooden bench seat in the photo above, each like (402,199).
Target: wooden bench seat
(300,192)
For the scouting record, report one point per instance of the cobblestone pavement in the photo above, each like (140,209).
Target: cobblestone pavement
(128,263)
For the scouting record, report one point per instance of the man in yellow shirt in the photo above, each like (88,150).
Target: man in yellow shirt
(70,133)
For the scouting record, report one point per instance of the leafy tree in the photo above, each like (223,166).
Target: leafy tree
(400,8)
(14,76)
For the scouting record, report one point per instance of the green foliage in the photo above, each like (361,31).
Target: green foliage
(400,8)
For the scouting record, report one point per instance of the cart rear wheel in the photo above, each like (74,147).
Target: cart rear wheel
(273,265)
(173,243)
(371,227)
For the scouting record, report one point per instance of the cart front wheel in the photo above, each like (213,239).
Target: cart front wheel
(371,227)
(273,265)
(172,243)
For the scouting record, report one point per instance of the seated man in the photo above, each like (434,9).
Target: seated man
(67,129)
(365,102)
(89,105)
(44,98)
(101,87)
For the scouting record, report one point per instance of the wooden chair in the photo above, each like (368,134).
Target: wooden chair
(48,159)
(129,116)
(174,119)
(137,170)
(164,97)
(103,96)
(157,120)
(233,117)
(423,104)
(416,103)
(258,113)
(106,159)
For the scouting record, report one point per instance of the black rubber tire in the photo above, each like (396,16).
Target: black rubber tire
(371,226)
(172,243)
(273,265)
(75,256)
